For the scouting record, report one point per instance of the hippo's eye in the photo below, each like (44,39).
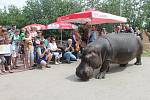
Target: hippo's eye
(92,54)
(88,56)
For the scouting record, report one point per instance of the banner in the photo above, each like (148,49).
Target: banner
(5,49)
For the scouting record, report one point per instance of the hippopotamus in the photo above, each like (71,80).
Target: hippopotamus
(112,48)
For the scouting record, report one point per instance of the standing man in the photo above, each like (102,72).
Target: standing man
(12,31)
(92,35)
(2,41)
(15,45)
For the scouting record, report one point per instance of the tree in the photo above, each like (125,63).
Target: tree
(33,11)
(146,12)
(12,16)
(46,11)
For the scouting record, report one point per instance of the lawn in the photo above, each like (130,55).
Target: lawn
(146,53)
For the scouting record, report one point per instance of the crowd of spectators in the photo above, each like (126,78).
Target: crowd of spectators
(36,51)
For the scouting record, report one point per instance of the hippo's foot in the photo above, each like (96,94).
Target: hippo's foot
(138,63)
(123,65)
(100,75)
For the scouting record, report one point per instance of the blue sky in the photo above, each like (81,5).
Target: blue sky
(18,3)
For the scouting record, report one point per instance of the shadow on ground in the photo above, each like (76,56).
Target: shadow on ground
(74,78)
(114,68)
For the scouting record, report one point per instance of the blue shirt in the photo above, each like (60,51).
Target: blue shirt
(93,36)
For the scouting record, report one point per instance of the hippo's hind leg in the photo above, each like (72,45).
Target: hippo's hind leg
(103,70)
(138,60)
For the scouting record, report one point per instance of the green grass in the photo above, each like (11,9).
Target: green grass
(146,53)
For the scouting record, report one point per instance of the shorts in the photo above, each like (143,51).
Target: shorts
(21,49)
(29,54)
(2,60)
(42,59)
(8,60)
(14,54)
(57,55)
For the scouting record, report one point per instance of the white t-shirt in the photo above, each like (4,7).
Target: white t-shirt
(52,46)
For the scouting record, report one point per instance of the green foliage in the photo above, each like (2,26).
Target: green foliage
(146,53)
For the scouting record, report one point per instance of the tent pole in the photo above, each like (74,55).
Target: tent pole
(61,37)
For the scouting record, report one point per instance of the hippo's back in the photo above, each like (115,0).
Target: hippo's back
(125,47)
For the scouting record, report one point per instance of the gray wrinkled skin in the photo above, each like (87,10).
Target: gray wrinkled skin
(113,48)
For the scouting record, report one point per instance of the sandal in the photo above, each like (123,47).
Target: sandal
(48,66)
(4,71)
(56,63)
(11,71)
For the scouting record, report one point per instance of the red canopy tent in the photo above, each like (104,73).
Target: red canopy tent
(61,25)
(92,17)
(37,26)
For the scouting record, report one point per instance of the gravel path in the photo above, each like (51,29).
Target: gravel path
(60,83)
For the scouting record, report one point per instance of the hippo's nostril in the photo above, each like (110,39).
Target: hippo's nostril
(83,75)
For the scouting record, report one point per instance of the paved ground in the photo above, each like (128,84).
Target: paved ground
(60,83)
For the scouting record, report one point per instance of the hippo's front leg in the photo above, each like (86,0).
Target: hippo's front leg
(138,60)
(103,70)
